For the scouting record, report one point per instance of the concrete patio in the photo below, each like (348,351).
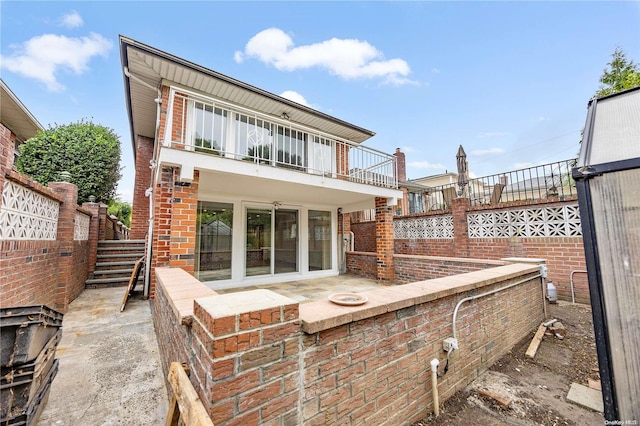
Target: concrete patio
(110,371)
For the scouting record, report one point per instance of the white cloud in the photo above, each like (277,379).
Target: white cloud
(480,152)
(71,20)
(483,135)
(295,97)
(435,70)
(346,58)
(407,149)
(42,57)
(542,118)
(523,165)
(426,165)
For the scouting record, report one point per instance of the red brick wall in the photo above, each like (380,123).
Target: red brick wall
(362,264)
(140,207)
(162,202)
(410,269)
(563,254)
(260,368)
(364,236)
(184,210)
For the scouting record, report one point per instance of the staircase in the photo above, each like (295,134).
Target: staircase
(114,263)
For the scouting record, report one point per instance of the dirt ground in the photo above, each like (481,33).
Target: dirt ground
(537,387)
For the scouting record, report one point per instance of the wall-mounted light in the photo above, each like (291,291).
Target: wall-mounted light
(285,116)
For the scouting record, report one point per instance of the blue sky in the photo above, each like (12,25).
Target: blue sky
(510,81)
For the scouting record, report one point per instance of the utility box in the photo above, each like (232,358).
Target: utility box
(607,178)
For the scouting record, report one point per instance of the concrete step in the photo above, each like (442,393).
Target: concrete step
(110,282)
(114,272)
(116,262)
(116,257)
(120,248)
(125,242)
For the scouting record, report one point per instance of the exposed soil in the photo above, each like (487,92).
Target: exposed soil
(536,387)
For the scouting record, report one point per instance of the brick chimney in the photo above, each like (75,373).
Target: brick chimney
(401,165)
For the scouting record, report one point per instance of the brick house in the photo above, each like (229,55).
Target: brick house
(245,187)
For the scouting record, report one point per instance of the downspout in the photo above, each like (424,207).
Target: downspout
(149,193)
(343,266)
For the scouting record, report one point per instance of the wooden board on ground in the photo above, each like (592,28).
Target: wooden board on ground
(132,281)
(533,346)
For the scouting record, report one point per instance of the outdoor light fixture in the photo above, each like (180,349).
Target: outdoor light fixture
(285,116)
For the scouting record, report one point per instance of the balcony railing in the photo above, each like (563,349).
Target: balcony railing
(542,182)
(216,128)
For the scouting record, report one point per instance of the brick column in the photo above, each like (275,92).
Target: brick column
(140,207)
(183,225)
(7,148)
(459,207)
(162,205)
(94,232)
(384,241)
(66,217)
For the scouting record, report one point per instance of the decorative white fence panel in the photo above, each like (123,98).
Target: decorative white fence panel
(81,227)
(423,227)
(563,221)
(27,215)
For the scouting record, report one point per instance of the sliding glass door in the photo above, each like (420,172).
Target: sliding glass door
(271,241)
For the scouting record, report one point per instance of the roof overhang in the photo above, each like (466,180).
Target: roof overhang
(145,68)
(15,116)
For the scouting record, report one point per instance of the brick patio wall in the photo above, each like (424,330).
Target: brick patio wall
(259,358)
(563,254)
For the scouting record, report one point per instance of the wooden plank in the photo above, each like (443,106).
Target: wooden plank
(132,281)
(192,411)
(533,346)
(173,417)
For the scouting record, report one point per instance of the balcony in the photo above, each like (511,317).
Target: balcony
(218,129)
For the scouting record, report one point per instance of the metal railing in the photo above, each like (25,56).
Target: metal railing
(547,181)
(219,129)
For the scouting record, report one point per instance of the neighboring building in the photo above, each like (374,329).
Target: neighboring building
(15,117)
(247,187)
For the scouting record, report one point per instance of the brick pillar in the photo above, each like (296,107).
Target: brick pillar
(140,207)
(7,148)
(94,232)
(183,225)
(384,241)
(162,205)
(66,217)
(459,207)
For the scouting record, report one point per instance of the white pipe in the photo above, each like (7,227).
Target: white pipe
(477,296)
(434,386)
(573,295)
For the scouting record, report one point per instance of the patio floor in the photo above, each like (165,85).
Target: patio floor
(304,291)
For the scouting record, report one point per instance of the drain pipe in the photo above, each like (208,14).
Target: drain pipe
(477,296)
(573,294)
(343,265)
(434,386)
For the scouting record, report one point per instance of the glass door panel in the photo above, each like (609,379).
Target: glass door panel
(319,240)
(213,241)
(258,242)
(286,241)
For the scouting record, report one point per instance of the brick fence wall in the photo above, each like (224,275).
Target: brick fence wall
(259,358)
(41,271)
(563,254)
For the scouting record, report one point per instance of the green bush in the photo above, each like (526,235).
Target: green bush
(89,152)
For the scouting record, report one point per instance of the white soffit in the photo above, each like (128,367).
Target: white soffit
(15,116)
(153,66)
(616,129)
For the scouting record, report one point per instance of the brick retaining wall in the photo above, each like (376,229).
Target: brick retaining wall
(259,358)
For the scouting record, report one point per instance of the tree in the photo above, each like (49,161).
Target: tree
(621,74)
(121,210)
(89,152)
